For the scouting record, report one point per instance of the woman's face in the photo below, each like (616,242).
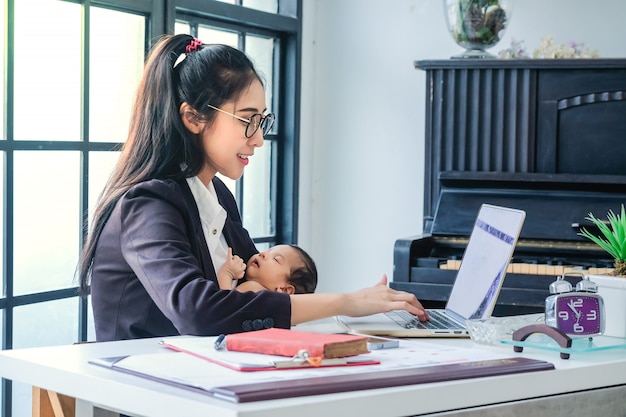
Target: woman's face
(225,144)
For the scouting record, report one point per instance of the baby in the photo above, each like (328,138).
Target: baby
(283,268)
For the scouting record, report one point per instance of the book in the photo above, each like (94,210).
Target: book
(183,372)
(203,348)
(261,391)
(286,342)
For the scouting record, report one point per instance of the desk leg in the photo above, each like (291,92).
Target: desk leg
(52,404)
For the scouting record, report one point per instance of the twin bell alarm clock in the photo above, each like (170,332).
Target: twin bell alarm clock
(576,312)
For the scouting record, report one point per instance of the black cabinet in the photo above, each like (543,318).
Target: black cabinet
(523,116)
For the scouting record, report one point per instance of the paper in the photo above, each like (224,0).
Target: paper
(189,370)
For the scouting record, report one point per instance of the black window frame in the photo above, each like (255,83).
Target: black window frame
(287,93)
(160,19)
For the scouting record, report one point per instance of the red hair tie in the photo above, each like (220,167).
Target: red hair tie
(193,45)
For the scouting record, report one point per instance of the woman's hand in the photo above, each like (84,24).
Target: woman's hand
(380,299)
(371,300)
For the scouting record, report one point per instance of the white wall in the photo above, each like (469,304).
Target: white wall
(361,163)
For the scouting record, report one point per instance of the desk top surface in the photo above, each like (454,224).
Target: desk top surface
(65,369)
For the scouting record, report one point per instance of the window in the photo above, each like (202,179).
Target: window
(68,90)
(269,36)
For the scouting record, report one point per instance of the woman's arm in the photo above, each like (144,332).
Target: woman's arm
(372,300)
(250,286)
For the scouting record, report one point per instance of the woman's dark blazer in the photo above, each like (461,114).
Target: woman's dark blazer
(152,273)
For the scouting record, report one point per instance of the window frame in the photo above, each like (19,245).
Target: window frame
(160,16)
(286,93)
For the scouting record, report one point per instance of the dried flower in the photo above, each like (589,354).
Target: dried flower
(516,51)
(548,49)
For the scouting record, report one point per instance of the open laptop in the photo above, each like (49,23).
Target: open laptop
(476,287)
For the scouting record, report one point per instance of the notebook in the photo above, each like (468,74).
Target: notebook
(476,287)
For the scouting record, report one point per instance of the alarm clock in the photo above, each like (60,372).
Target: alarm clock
(578,312)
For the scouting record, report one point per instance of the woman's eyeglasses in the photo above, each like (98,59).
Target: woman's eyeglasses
(253,124)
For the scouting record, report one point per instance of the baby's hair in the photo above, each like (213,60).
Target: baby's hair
(304,278)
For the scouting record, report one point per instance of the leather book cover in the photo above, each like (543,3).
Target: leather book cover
(381,379)
(286,342)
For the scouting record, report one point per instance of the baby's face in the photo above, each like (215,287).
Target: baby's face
(272,267)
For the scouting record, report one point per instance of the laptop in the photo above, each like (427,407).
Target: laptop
(476,287)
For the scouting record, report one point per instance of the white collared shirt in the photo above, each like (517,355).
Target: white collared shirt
(212,217)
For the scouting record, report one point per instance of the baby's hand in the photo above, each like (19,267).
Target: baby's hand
(235,265)
(234,268)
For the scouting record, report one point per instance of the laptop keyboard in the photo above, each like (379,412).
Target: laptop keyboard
(438,320)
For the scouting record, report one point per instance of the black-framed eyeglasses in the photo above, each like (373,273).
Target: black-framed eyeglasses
(256,121)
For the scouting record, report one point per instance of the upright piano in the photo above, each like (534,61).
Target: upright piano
(545,136)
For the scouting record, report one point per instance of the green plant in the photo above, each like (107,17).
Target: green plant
(612,239)
(479,22)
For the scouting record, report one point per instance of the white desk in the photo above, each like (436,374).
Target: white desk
(64,369)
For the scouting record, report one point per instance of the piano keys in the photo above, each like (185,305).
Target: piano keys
(536,268)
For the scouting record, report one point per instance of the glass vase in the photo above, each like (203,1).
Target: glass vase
(477,25)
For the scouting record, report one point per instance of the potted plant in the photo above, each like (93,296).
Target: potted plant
(612,239)
(477,25)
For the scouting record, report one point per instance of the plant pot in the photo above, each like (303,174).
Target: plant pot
(613,291)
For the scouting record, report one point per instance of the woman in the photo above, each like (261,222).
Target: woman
(164,223)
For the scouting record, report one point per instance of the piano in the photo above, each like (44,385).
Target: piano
(544,136)
(556,209)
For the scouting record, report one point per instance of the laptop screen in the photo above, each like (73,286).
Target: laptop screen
(485,260)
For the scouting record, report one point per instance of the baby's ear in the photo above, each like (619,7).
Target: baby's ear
(288,289)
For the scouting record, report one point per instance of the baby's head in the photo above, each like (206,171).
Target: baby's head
(284,268)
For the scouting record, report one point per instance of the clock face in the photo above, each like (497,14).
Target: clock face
(579,314)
